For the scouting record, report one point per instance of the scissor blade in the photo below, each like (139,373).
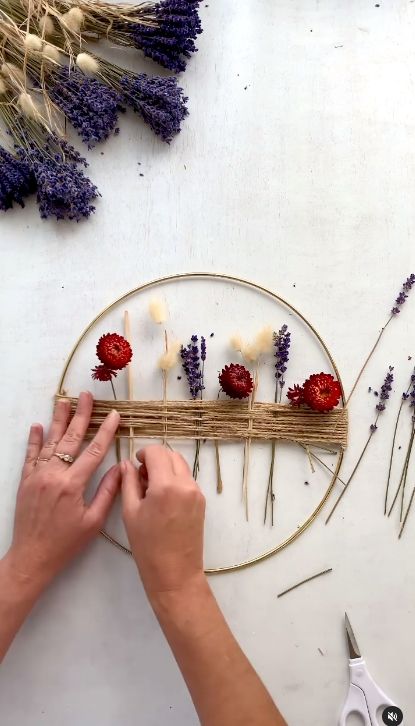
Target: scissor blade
(354,651)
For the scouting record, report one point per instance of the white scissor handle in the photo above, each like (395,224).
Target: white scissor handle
(364,697)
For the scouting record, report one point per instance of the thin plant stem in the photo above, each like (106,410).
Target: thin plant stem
(391,456)
(406,473)
(303,582)
(219,482)
(117,441)
(270,489)
(346,486)
(323,463)
(407,512)
(404,470)
(363,368)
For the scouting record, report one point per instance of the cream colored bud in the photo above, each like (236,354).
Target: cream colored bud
(264,340)
(250,352)
(46,26)
(157,310)
(27,106)
(32,42)
(236,342)
(73,19)
(51,53)
(170,358)
(9,70)
(87,63)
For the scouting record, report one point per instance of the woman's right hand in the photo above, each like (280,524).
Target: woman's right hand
(164,511)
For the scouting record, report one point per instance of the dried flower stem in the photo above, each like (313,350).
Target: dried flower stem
(404,474)
(247,450)
(346,486)
(127,333)
(219,482)
(363,368)
(391,455)
(407,513)
(303,582)
(117,440)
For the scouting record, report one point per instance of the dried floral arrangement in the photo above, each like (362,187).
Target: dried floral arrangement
(53,73)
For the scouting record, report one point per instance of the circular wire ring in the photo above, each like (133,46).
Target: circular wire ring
(253,286)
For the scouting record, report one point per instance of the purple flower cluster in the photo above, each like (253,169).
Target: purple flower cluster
(16,180)
(383,396)
(410,391)
(91,107)
(63,191)
(160,102)
(193,359)
(406,288)
(282,343)
(173,38)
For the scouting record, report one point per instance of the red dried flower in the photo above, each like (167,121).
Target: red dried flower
(322,392)
(114,351)
(236,381)
(102,373)
(296,395)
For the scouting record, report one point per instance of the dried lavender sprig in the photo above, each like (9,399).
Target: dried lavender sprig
(16,181)
(380,407)
(400,300)
(193,363)
(282,343)
(404,397)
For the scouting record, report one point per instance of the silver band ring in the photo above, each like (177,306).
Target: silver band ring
(67,458)
(42,458)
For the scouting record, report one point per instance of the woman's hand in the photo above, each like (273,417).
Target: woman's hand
(164,511)
(53,522)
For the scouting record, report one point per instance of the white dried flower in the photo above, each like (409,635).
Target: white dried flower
(3,87)
(250,352)
(236,343)
(170,358)
(9,70)
(73,19)
(32,42)
(46,26)
(27,105)
(50,52)
(157,310)
(264,340)
(87,63)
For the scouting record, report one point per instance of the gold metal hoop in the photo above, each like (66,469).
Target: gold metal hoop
(269,293)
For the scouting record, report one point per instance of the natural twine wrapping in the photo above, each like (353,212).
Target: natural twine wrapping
(221,421)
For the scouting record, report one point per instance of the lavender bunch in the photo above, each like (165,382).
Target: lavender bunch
(193,360)
(193,363)
(16,181)
(282,343)
(159,101)
(384,396)
(408,395)
(172,40)
(91,107)
(63,191)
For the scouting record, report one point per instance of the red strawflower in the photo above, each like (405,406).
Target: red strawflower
(102,373)
(114,351)
(236,381)
(322,392)
(296,395)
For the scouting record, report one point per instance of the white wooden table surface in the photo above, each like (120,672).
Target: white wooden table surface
(296,168)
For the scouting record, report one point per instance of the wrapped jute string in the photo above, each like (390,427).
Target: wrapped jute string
(221,421)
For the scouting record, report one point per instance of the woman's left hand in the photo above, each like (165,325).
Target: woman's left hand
(53,523)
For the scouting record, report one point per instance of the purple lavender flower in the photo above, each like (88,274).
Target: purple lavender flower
(160,102)
(63,191)
(172,39)
(192,363)
(16,181)
(385,390)
(91,107)
(282,343)
(406,287)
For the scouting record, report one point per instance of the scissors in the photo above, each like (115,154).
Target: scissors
(364,697)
